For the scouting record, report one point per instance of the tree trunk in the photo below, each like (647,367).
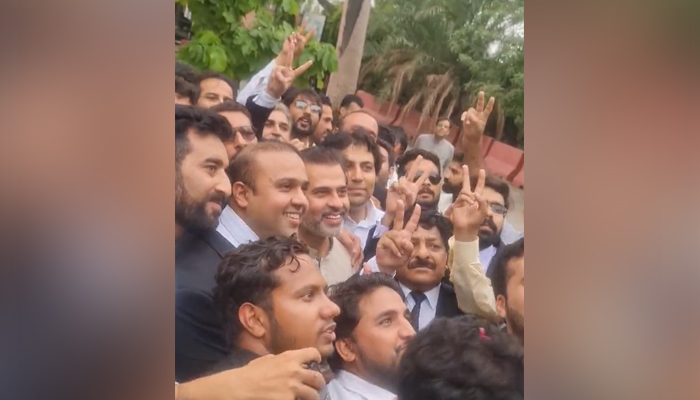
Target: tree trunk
(350,48)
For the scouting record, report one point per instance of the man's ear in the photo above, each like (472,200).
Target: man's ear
(240,194)
(345,350)
(254,320)
(501,306)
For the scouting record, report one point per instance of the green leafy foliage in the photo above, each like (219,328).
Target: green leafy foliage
(222,43)
(419,50)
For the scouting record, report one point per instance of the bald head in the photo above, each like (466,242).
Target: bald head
(359,119)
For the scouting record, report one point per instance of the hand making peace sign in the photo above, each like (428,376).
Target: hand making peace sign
(474,119)
(405,189)
(470,209)
(394,247)
(283,75)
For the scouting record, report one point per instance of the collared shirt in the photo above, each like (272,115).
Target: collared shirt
(336,266)
(232,227)
(485,256)
(361,229)
(427,308)
(348,386)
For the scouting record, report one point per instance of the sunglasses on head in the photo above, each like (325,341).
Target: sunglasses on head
(302,104)
(434,177)
(247,132)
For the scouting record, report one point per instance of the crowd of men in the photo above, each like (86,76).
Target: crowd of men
(319,255)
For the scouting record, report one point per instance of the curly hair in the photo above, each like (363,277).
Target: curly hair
(462,358)
(347,295)
(245,275)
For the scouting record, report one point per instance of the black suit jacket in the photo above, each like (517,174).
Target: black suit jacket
(447,302)
(200,342)
(258,115)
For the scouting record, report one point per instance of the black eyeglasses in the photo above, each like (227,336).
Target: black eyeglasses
(434,177)
(301,104)
(498,208)
(248,133)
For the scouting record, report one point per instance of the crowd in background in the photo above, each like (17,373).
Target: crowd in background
(321,255)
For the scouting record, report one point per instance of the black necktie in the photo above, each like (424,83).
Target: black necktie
(418,298)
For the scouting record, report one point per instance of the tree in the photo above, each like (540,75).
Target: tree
(350,46)
(436,55)
(223,43)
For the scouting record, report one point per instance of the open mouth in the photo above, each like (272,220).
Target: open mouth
(329,332)
(333,218)
(293,216)
(304,123)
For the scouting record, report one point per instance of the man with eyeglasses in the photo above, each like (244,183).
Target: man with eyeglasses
(305,109)
(243,132)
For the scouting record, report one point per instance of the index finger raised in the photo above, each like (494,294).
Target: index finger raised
(481,183)
(412,224)
(414,169)
(466,180)
(398,216)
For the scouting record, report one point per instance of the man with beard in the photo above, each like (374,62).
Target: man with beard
(243,132)
(325,124)
(372,331)
(327,194)
(417,253)
(201,187)
(273,299)
(507,273)
(305,109)
(428,194)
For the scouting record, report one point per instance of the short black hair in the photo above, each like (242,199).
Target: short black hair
(231,106)
(348,295)
(389,150)
(186,89)
(458,158)
(462,358)
(245,276)
(186,72)
(400,136)
(242,167)
(430,218)
(216,75)
(293,93)
(358,137)
(498,270)
(323,156)
(411,155)
(385,133)
(200,122)
(351,98)
(326,101)
(499,186)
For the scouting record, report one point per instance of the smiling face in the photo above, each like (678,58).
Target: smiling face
(276,205)
(426,266)
(302,312)
(360,173)
(201,184)
(328,200)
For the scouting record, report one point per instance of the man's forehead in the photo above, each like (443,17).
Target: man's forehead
(358,153)
(426,166)
(293,165)
(381,300)
(325,175)
(295,274)
(215,83)
(235,118)
(422,233)
(493,196)
(307,98)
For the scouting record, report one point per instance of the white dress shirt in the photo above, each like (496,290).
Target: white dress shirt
(361,229)
(232,227)
(348,386)
(427,308)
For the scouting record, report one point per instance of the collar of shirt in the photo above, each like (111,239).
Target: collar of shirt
(374,215)
(232,227)
(432,296)
(485,257)
(353,383)
(314,253)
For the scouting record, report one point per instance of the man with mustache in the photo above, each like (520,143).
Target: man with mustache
(327,194)
(428,194)
(201,187)
(273,299)
(305,109)
(417,253)
(325,124)
(373,330)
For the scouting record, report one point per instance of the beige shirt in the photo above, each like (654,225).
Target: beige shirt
(335,267)
(472,287)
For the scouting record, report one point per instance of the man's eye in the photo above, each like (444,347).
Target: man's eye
(385,322)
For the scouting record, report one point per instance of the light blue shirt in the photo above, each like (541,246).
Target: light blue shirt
(427,308)
(348,386)
(232,227)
